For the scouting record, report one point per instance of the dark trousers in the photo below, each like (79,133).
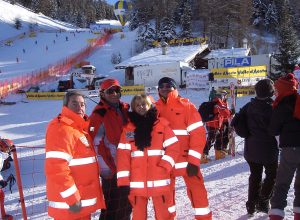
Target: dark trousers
(289,166)
(259,191)
(217,138)
(116,199)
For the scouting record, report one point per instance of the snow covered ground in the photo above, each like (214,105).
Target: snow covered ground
(25,123)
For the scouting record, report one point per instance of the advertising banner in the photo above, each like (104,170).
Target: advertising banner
(240,72)
(133,90)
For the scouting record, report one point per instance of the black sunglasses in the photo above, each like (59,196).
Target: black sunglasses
(165,85)
(112,91)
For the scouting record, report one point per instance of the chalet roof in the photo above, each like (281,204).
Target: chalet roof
(154,56)
(223,53)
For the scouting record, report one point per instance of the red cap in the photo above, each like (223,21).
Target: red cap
(106,84)
(287,83)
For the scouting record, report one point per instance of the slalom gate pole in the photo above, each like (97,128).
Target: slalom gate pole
(19,183)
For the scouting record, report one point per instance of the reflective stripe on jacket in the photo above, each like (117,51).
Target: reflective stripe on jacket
(147,172)
(188,127)
(105,128)
(71,167)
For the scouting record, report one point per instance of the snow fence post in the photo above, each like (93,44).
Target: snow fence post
(19,183)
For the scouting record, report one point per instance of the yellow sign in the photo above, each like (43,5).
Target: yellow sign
(201,40)
(133,90)
(45,95)
(240,72)
(241,91)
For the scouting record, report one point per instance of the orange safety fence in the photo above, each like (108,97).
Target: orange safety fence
(52,71)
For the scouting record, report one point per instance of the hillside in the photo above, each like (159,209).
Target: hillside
(25,122)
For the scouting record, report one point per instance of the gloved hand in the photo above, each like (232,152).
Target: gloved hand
(75,207)
(192,170)
(3,183)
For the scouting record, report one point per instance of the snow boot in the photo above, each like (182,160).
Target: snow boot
(275,217)
(296,216)
(263,206)
(219,154)
(204,159)
(250,206)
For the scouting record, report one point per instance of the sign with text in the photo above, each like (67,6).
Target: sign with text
(133,90)
(240,72)
(237,62)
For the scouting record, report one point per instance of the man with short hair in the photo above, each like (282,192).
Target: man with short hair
(188,127)
(106,124)
(71,168)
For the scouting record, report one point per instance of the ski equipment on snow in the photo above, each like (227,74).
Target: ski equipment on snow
(231,134)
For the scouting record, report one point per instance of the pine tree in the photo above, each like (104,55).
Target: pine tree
(167,30)
(186,19)
(289,48)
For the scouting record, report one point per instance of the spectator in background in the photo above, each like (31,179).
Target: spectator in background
(212,94)
(72,173)
(107,121)
(218,128)
(147,153)
(188,127)
(285,122)
(261,150)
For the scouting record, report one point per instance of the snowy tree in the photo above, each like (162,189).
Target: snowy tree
(146,35)
(289,48)
(167,30)
(186,18)
(18,23)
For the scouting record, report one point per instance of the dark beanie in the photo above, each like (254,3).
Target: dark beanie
(264,88)
(168,80)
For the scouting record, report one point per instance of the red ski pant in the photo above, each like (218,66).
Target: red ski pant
(161,205)
(197,194)
(3,213)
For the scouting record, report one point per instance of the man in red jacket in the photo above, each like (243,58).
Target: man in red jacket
(106,123)
(188,127)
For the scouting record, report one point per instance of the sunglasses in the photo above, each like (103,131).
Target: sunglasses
(112,91)
(165,85)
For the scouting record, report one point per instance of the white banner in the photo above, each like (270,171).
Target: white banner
(197,79)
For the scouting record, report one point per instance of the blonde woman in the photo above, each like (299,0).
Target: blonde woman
(146,154)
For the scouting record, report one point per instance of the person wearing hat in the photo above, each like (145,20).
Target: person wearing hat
(217,128)
(106,123)
(188,127)
(71,169)
(260,148)
(285,122)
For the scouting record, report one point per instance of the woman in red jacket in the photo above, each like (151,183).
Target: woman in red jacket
(146,155)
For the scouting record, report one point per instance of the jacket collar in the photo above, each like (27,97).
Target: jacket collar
(71,118)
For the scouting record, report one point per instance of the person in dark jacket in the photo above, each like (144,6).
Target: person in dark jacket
(285,122)
(261,150)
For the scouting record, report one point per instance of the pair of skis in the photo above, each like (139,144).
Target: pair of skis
(231,133)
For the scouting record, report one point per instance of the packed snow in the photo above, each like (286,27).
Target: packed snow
(25,123)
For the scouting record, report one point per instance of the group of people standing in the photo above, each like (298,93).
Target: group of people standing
(259,122)
(141,152)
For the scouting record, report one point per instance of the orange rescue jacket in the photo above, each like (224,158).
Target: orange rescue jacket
(221,112)
(71,167)
(147,172)
(188,127)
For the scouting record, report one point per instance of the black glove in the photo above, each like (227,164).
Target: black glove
(3,183)
(75,207)
(192,170)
